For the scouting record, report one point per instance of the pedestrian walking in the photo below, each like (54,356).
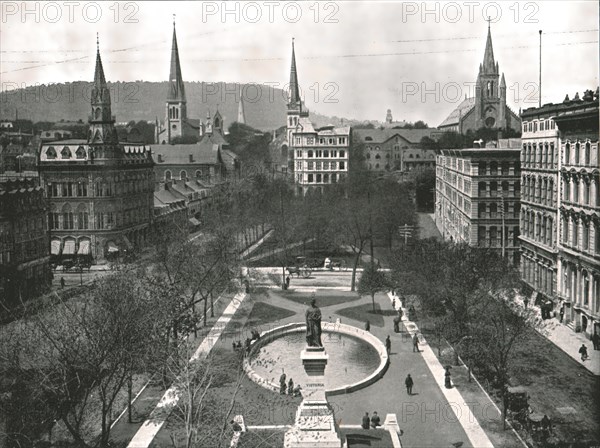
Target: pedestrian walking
(394,303)
(562,313)
(365,421)
(396,324)
(282,385)
(287,282)
(62,282)
(596,341)
(447,379)
(526,301)
(415,340)
(291,387)
(375,420)
(368,325)
(388,345)
(409,384)
(583,352)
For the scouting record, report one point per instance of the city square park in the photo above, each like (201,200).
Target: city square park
(155,353)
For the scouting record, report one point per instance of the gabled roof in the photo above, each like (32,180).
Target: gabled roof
(379,136)
(461,111)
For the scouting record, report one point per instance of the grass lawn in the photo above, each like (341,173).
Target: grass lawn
(324,299)
(263,313)
(365,312)
(262,438)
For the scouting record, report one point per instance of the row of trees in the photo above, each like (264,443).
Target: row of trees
(468,295)
(67,370)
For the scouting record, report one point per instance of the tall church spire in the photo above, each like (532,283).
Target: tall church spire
(102,128)
(489,66)
(241,118)
(176,88)
(294,87)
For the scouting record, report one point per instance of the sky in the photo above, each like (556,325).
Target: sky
(355,59)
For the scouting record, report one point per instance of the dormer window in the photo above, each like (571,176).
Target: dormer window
(80,154)
(51,153)
(65,153)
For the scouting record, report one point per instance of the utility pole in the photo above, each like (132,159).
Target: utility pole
(502,215)
(540,80)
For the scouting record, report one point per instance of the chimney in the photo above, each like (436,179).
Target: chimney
(191,158)
(160,158)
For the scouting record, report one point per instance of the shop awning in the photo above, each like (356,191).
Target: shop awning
(84,247)
(55,247)
(194,222)
(69,247)
(112,247)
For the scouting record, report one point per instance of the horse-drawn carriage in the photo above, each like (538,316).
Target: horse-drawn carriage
(301,268)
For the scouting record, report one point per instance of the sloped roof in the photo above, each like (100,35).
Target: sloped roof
(413,136)
(461,110)
(214,137)
(203,153)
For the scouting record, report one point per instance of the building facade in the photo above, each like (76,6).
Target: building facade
(579,210)
(317,157)
(395,149)
(539,201)
(478,198)
(24,247)
(487,109)
(100,191)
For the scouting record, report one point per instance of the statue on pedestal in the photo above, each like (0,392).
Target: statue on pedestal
(313,325)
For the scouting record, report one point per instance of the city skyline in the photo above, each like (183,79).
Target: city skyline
(407,63)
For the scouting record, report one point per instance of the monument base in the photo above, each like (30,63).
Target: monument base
(315,425)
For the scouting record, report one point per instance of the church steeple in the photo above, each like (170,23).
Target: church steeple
(176,87)
(295,101)
(489,65)
(241,118)
(102,128)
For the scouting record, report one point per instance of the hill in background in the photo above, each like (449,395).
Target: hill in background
(264,106)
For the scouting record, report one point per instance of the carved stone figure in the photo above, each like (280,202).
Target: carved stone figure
(313,325)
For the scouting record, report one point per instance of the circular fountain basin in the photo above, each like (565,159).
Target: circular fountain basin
(356,357)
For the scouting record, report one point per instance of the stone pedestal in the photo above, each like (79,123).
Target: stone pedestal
(315,425)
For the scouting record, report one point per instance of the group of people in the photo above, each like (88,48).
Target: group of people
(372,422)
(288,388)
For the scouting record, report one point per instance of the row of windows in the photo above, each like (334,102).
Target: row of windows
(540,190)
(490,189)
(580,190)
(322,153)
(577,285)
(396,156)
(318,165)
(325,178)
(66,153)
(108,220)
(544,125)
(322,141)
(494,169)
(183,175)
(494,210)
(540,276)
(24,251)
(100,188)
(538,227)
(542,155)
(576,233)
(492,236)
(573,154)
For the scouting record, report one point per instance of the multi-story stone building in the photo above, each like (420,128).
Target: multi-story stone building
(477,197)
(317,157)
(539,201)
(579,209)
(24,248)
(395,149)
(100,191)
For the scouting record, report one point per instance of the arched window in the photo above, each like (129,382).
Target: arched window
(183,175)
(82,217)
(342,153)
(493,210)
(67,217)
(585,235)
(482,188)
(167,175)
(310,153)
(587,156)
(97,113)
(493,188)
(368,156)
(198,174)
(482,168)
(377,156)
(568,154)
(494,168)
(576,155)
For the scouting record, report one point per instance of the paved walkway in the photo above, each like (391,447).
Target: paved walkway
(143,438)
(427,227)
(457,404)
(570,342)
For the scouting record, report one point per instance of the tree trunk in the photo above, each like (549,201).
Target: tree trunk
(373,301)
(129,398)
(205,310)
(212,305)
(353,284)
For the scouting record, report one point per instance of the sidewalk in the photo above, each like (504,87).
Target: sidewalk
(570,342)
